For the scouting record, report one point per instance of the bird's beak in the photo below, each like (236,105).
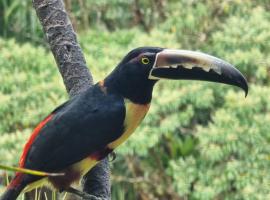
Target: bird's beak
(191,65)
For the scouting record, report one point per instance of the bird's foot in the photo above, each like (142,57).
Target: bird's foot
(86,196)
(112,156)
(83,195)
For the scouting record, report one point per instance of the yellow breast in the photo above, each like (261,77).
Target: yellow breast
(134,115)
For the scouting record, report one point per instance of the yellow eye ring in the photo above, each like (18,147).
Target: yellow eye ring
(145,60)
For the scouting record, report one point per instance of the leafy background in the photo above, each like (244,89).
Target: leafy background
(200,140)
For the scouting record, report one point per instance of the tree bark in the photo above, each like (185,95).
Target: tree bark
(77,77)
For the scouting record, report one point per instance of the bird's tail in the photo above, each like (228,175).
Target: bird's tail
(14,188)
(11,194)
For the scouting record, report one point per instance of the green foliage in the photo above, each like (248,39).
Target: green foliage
(233,159)
(199,140)
(26,97)
(11,144)
(18,18)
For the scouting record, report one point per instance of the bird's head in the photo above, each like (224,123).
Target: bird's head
(141,68)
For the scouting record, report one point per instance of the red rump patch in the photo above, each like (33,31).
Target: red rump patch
(16,181)
(32,138)
(19,176)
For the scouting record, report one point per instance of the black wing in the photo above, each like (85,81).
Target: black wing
(85,124)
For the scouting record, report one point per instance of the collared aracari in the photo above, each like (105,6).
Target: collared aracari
(85,129)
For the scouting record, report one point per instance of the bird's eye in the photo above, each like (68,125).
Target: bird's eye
(145,60)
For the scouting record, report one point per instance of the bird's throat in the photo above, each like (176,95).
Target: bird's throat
(138,91)
(135,113)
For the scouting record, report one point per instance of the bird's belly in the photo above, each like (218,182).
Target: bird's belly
(72,175)
(85,165)
(134,116)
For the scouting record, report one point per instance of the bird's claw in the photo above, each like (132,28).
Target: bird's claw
(86,196)
(83,195)
(112,156)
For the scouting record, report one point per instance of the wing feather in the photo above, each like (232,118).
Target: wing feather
(83,126)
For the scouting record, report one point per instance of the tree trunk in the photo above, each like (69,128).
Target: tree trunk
(77,77)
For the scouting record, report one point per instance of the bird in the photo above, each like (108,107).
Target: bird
(85,129)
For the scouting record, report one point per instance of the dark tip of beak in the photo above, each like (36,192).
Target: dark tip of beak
(244,85)
(235,77)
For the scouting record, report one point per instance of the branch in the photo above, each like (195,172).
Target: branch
(77,78)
